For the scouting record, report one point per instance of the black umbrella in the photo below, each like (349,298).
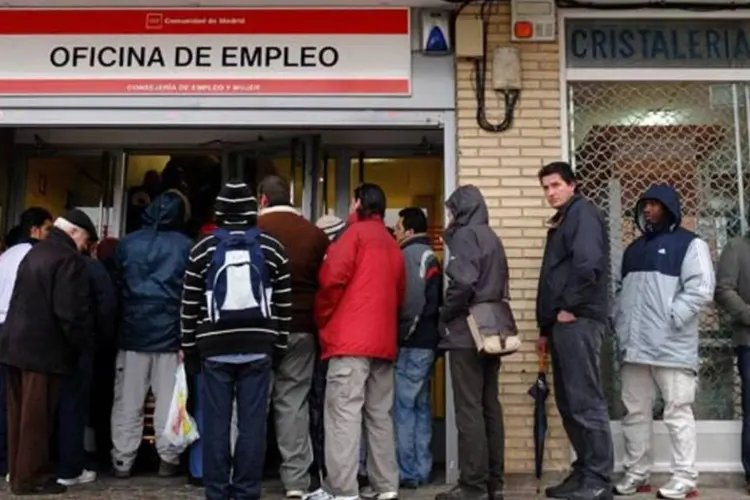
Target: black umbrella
(539,391)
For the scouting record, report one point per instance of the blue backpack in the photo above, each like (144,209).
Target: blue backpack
(238,288)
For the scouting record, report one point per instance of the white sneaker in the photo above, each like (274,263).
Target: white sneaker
(7,477)
(295,495)
(319,494)
(678,488)
(87,476)
(631,485)
(370,494)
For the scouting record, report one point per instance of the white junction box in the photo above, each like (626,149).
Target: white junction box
(533,20)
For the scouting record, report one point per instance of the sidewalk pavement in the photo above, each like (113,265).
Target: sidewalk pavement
(152,488)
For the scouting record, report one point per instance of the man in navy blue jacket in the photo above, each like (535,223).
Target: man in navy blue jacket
(150,267)
(571,311)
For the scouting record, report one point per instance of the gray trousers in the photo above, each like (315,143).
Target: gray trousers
(580,399)
(291,388)
(358,388)
(135,373)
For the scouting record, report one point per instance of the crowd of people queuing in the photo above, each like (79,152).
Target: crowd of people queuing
(336,326)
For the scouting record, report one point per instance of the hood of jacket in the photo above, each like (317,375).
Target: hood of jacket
(668,197)
(166,212)
(468,207)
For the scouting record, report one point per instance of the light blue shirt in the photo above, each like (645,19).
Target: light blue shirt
(237,359)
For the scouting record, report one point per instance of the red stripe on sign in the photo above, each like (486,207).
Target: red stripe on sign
(210,87)
(205,22)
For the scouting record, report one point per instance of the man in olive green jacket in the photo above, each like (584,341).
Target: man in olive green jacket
(733,296)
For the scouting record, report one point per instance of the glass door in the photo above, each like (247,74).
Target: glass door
(300,160)
(61,180)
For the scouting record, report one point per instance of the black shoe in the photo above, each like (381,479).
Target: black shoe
(563,490)
(168,470)
(408,485)
(495,490)
(461,493)
(195,481)
(48,488)
(592,492)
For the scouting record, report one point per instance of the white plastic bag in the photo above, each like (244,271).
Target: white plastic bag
(180,429)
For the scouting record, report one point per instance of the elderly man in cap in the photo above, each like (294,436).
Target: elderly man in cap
(49,324)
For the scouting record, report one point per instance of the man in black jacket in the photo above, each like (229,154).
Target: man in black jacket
(571,311)
(49,325)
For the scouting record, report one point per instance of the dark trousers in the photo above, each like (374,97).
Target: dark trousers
(72,415)
(3,422)
(479,418)
(101,401)
(575,349)
(32,400)
(249,383)
(196,404)
(317,426)
(743,366)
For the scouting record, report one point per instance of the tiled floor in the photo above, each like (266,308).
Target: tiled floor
(157,489)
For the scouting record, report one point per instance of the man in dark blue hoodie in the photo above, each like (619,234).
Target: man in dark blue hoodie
(150,267)
(667,279)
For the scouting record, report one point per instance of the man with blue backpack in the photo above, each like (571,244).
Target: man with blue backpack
(236,313)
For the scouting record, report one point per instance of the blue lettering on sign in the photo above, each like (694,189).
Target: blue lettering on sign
(622,44)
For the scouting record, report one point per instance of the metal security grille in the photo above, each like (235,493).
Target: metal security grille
(626,137)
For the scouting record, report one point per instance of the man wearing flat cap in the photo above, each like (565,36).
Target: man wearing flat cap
(49,324)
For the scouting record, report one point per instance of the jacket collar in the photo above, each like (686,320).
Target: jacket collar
(422,238)
(280,209)
(61,236)
(557,219)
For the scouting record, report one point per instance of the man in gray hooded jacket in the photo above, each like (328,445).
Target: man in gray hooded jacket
(477,272)
(733,296)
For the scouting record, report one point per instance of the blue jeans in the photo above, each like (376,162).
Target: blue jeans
(413,414)
(196,450)
(73,412)
(249,382)
(743,366)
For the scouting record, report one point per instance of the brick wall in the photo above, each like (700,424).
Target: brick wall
(504,167)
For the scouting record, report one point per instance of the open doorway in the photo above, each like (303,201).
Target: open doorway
(200,178)
(322,170)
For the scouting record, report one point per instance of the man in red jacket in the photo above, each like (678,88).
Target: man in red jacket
(362,284)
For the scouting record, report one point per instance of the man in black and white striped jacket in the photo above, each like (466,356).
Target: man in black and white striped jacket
(235,357)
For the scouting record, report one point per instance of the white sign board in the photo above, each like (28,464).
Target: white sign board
(205,51)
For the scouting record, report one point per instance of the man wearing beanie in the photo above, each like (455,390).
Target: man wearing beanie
(50,307)
(149,266)
(236,313)
(306,247)
(331,225)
